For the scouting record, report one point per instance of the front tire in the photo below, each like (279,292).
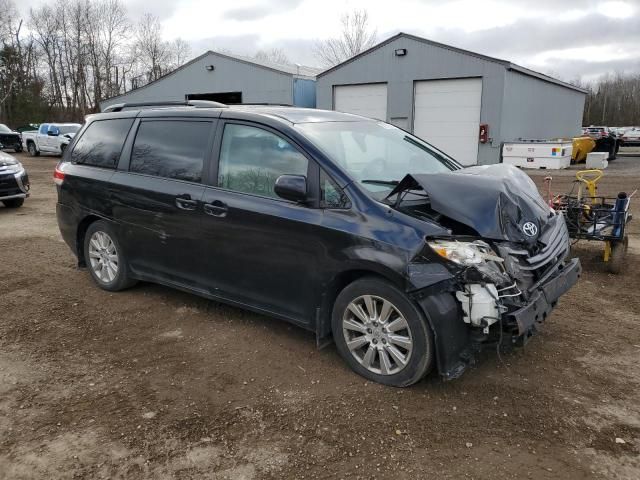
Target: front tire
(13,203)
(105,258)
(381,334)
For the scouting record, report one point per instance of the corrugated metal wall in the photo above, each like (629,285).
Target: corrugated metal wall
(537,109)
(256,84)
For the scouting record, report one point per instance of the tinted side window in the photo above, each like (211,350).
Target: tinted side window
(171,149)
(101,143)
(251,159)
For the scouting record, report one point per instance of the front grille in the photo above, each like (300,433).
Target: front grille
(9,140)
(555,244)
(8,185)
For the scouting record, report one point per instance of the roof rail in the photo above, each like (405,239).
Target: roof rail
(263,104)
(118,107)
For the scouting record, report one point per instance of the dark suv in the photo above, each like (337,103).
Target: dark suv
(348,227)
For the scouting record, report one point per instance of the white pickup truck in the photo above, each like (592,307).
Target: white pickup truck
(49,138)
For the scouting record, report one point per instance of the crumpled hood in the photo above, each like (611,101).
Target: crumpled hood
(494,200)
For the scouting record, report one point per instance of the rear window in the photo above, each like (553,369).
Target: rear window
(101,143)
(171,149)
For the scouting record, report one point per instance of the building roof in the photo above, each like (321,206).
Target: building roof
(297,71)
(508,65)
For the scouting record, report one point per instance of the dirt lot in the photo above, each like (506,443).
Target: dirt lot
(153,383)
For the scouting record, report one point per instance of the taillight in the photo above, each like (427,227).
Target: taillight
(58,175)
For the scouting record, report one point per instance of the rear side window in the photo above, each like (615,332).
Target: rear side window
(251,159)
(101,143)
(171,149)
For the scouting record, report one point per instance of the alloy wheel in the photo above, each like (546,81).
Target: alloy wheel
(103,257)
(377,335)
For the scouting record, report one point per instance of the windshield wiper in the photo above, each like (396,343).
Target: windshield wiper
(391,183)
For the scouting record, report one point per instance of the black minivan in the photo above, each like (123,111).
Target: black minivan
(346,226)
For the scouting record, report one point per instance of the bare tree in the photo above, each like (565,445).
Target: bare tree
(356,36)
(179,52)
(151,50)
(273,55)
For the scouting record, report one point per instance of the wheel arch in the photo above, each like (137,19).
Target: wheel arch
(83,226)
(333,289)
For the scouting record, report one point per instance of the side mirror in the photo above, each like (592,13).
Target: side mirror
(291,187)
(53,133)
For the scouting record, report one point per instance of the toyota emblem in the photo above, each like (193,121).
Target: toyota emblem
(530,229)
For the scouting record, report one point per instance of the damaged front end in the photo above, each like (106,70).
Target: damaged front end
(506,256)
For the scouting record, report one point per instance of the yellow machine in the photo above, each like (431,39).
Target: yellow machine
(590,216)
(590,179)
(581,147)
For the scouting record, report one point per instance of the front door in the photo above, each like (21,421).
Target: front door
(158,198)
(259,249)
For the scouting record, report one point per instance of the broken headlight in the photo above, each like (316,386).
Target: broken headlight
(469,254)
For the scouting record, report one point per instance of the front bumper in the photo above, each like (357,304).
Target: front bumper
(543,297)
(457,343)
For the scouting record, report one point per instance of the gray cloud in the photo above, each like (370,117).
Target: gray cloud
(248,13)
(162,9)
(297,50)
(256,12)
(533,36)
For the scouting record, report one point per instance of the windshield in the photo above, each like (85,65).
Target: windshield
(376,154)
(4,128)
(68,129)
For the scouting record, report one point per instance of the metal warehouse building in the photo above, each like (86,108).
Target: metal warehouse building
(444,95)
(229,79)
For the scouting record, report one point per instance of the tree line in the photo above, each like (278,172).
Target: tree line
(60,62)
(613,101)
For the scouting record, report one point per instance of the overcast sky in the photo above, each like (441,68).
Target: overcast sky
(568,38)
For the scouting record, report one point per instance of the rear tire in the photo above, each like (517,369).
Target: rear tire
(13,203)
(105,259)
(381,334)
(33,151)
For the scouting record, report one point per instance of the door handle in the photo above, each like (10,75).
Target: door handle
(185,203)
(216,208)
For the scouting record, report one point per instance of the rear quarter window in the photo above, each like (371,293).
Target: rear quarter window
(101,143)
(171,149)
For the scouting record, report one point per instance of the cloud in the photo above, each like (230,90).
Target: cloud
(257,12)
(297,50)
(163,9)
(527,37)
(247,13)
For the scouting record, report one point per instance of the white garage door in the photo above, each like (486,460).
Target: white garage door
(368,100)
(447,115)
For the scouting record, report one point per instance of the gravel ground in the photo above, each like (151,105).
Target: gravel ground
(154,383)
